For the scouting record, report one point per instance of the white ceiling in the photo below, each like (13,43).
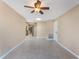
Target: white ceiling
(57,8)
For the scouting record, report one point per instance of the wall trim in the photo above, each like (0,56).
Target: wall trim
(46,38)
(77,56)
(15,10)
(4,55)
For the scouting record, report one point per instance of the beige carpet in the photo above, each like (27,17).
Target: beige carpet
(39,49)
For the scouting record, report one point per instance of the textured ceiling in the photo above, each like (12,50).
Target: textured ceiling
(57,8)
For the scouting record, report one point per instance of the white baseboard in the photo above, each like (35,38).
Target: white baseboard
(41,37)
(46,38)
(77,56)
(12,49)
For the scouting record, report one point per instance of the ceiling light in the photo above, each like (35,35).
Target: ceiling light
(38,19)
(37,9)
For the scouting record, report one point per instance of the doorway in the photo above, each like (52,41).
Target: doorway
(55,34)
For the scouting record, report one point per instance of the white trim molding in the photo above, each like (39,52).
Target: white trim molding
(77,56)
(4,55)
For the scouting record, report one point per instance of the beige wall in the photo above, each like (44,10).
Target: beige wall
(12,29)
(69,29)
(44,29)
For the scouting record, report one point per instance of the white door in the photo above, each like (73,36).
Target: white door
(55,34)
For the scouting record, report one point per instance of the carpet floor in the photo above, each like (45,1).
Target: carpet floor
(39,49)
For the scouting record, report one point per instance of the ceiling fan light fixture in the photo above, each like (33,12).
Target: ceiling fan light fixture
(37,9)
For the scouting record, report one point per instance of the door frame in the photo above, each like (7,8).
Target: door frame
(55,31)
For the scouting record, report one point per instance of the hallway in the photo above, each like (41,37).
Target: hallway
(39,49)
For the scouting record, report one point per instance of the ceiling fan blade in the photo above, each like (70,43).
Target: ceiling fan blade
(32,11)
(41,12)
(45,8)
(28,6)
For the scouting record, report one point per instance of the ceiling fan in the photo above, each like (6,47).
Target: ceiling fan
(37,7)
